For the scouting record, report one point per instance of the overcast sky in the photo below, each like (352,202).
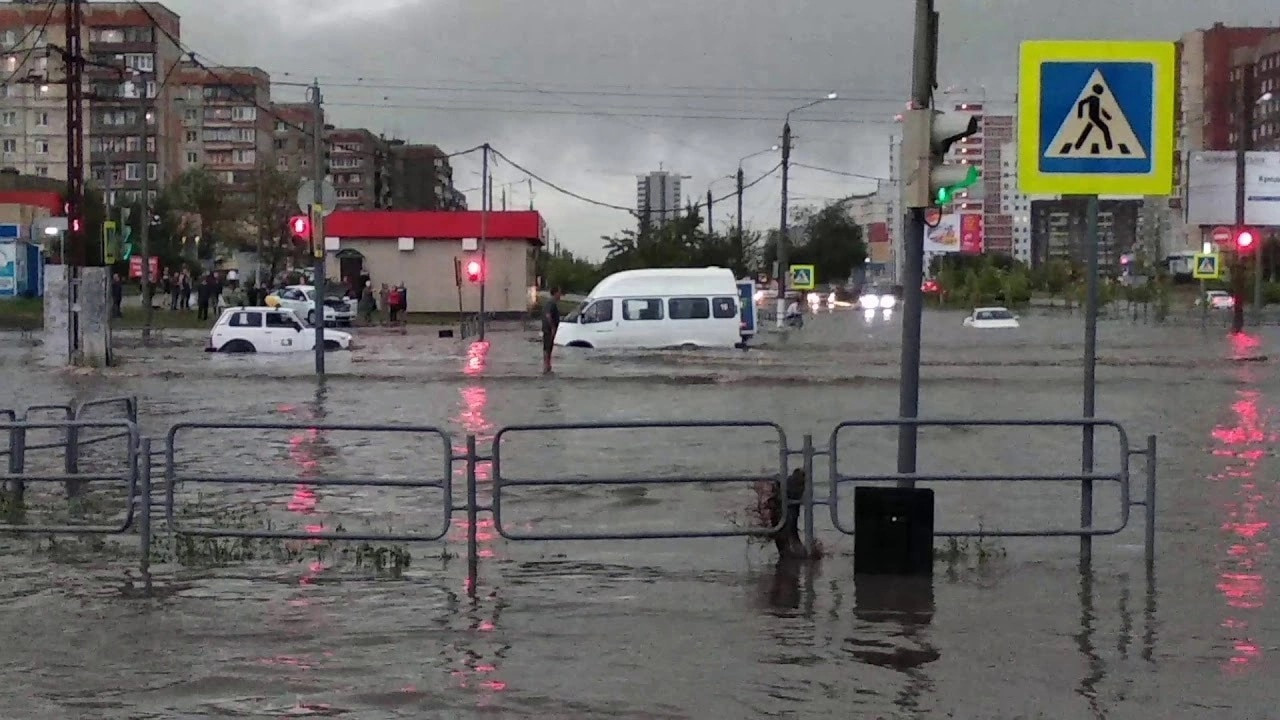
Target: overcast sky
(589,93)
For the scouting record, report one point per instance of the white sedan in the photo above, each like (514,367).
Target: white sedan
(269,330)
(991,318)
(302,300)
(1218,300)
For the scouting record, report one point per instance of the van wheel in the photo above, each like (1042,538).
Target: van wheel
(311,318)
(332,345)
(239,346)
(580,344)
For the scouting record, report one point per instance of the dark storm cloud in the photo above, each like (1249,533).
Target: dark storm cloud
(761,58)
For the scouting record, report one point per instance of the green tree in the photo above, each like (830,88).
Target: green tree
(828,238)
(200,192)
(562,269)
(275,195)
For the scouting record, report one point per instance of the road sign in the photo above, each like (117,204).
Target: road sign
(1096,117)
(803,277)
(1221,235)
(328,196)
(1208,266)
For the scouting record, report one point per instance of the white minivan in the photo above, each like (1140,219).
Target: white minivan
(658,308)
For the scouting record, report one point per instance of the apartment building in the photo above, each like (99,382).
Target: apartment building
(1260,64)
(1015,205)
(658,197)
(359,167)
(224,128)
(421,178)
(129,56)
(293,144)
(1060,231)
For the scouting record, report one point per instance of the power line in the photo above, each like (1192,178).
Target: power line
(842,173)
(549,110)
(35,30)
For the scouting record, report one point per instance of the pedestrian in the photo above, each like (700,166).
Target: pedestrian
(368,306)
(117,295)
(384,297)
(184,290)
(550,323)
(205,295)
(393,303)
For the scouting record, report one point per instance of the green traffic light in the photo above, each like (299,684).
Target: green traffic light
(948,194)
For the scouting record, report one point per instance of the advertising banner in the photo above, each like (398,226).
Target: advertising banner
(944,237)
(135,266)
(1211,188)
(971,240)
(8,267)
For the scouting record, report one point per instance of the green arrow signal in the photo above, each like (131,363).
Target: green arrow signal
(947,194)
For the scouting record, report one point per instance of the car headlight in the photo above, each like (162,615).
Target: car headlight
(869,302)
(888,301)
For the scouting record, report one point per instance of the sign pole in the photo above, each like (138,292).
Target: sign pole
(1090,378)
(317,221)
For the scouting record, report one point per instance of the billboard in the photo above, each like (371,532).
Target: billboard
(8,267)
(943,237)
(971,240)
(1211,188)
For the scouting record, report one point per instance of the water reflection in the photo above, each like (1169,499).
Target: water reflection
(481,654)
(902,609)
(306,448)
(1245,513)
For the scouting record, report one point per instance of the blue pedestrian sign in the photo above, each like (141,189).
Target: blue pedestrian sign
(1096,118)
(803,277)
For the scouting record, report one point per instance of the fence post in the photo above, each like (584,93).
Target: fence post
(807,500)
(473,558)
(71,461)
(17,489)
(1149,544)
(144,500)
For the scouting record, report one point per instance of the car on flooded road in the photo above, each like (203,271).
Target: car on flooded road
(268,330)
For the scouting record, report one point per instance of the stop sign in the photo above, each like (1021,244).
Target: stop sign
(1221,235)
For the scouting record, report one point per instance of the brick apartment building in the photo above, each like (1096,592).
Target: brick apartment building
(293,144)
(985,150)
(128,96)
(1256,69)
(223,128)
(360,168)
(422,178)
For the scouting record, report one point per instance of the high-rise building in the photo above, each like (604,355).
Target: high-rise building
(1260,63)
(224,128)
(1014,204)
(294,128)
(984,150)
(422,178)
(359,167)
(658,197)
(130,51)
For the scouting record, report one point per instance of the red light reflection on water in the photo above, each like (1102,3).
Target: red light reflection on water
(302,451)
(1240,579)
(477,672)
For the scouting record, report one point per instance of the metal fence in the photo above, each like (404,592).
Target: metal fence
(140,496)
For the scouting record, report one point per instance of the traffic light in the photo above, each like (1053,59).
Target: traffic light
(1245,240)
(300,227)
(474,270)
(927,137)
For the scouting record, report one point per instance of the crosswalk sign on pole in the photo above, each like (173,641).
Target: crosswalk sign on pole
(1208,266)
(1096,117)
(803,277)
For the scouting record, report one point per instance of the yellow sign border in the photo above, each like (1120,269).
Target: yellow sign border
(813,277)
(1163,58)
(1217,266)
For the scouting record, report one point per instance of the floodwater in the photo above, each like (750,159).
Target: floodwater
(663,629)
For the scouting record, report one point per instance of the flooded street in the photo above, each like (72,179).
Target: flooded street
(676,629)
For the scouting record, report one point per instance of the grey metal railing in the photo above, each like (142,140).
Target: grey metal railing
(136,477)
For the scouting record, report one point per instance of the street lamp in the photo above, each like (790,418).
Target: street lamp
(782,223)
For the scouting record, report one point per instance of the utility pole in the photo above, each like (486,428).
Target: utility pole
(74,62)
(317,218)
(144,222)
(486,200)
(710,227)
(1242,147)
(782,226)
(530,193)
(504,198)
(737,239)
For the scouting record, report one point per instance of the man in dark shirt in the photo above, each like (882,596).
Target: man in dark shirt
(550,323)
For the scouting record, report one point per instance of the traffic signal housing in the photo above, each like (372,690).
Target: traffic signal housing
(300,228)
(474,270)
(1245,240)
(928,180)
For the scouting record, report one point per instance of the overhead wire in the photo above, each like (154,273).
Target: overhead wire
(34,30)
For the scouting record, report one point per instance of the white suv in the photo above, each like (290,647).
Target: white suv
(268,330)
(302,300)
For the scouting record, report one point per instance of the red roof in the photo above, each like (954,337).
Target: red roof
(434,225)
(46,199)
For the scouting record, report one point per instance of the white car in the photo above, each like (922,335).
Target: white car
(302,300)
(269,330)
(1218,300)
(991,318)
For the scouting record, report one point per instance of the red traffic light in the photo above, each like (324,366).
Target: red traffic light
(474,269)
(1245,240)
(300,226)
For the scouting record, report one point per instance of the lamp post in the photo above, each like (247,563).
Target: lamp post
(782,222)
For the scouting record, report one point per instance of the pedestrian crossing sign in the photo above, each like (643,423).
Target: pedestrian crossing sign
(1208,266)
(1096,117)
(803,277)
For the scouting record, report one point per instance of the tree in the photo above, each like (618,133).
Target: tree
(828,239)
(200,192)
(562,269)
(680,242)
(276,195)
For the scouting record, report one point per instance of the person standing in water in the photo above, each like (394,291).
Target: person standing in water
(550,323)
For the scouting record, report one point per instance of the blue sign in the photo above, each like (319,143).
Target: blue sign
(747,301)
(1096,117)
(8,267)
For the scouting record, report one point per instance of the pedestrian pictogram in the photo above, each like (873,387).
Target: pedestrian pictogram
(1208,266)
(1096,118)
(1098,127)
(803,277)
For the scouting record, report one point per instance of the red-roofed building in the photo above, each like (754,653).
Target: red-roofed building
(419,249)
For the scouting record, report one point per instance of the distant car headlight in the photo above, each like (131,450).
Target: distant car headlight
(812,298)
(888,301)
(869,302)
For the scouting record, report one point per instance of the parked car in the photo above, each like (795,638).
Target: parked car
(267,329)
(301,300)
(1217,299)
(991,318)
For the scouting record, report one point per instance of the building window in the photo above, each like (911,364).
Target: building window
(244,113)
(192,136)
(131,171)
(10,146)
(42,170)
(151,143)
(10,118)
(282,162)
(246,135)
(142,62)
(348,194)
(193,158)
(42,119)
(245,157)
(11,63)
(153,171)
(190,114)
(42,147)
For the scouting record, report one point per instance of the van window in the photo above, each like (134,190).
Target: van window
(246,319)
(647,309)
(688,308)
(599,311)
(724,307)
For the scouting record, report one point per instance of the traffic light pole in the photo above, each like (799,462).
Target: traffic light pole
(923,74)
(485,199)
(782,251)
(1242,147)
(317,220)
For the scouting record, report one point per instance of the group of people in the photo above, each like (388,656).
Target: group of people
(180,288)
(391,300)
